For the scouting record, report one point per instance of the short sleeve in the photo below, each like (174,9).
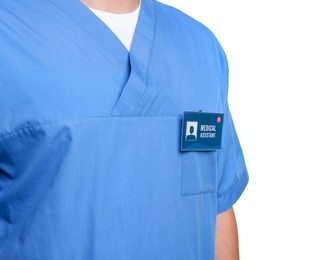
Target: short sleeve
(232,172)
(232,177)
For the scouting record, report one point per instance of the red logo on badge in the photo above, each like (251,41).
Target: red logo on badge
(219,119)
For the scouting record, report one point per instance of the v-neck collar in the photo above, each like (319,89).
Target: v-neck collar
(140,52)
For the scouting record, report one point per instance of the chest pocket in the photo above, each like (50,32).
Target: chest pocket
(199,171)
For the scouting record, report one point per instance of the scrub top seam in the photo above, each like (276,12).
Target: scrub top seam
(4,133)
(219,97)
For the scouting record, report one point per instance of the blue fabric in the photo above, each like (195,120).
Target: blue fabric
(90,161)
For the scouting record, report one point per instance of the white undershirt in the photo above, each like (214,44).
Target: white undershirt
(123,25)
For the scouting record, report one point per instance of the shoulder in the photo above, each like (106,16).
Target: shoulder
(190,34)
(10,9)
(180,23)
(17,16)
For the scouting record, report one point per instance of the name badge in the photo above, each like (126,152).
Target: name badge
(201,131)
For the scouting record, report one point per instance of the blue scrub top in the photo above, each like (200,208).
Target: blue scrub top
(90,161)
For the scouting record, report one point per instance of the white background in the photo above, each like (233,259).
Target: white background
(281,59)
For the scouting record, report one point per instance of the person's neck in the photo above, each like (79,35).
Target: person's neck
(113,6)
